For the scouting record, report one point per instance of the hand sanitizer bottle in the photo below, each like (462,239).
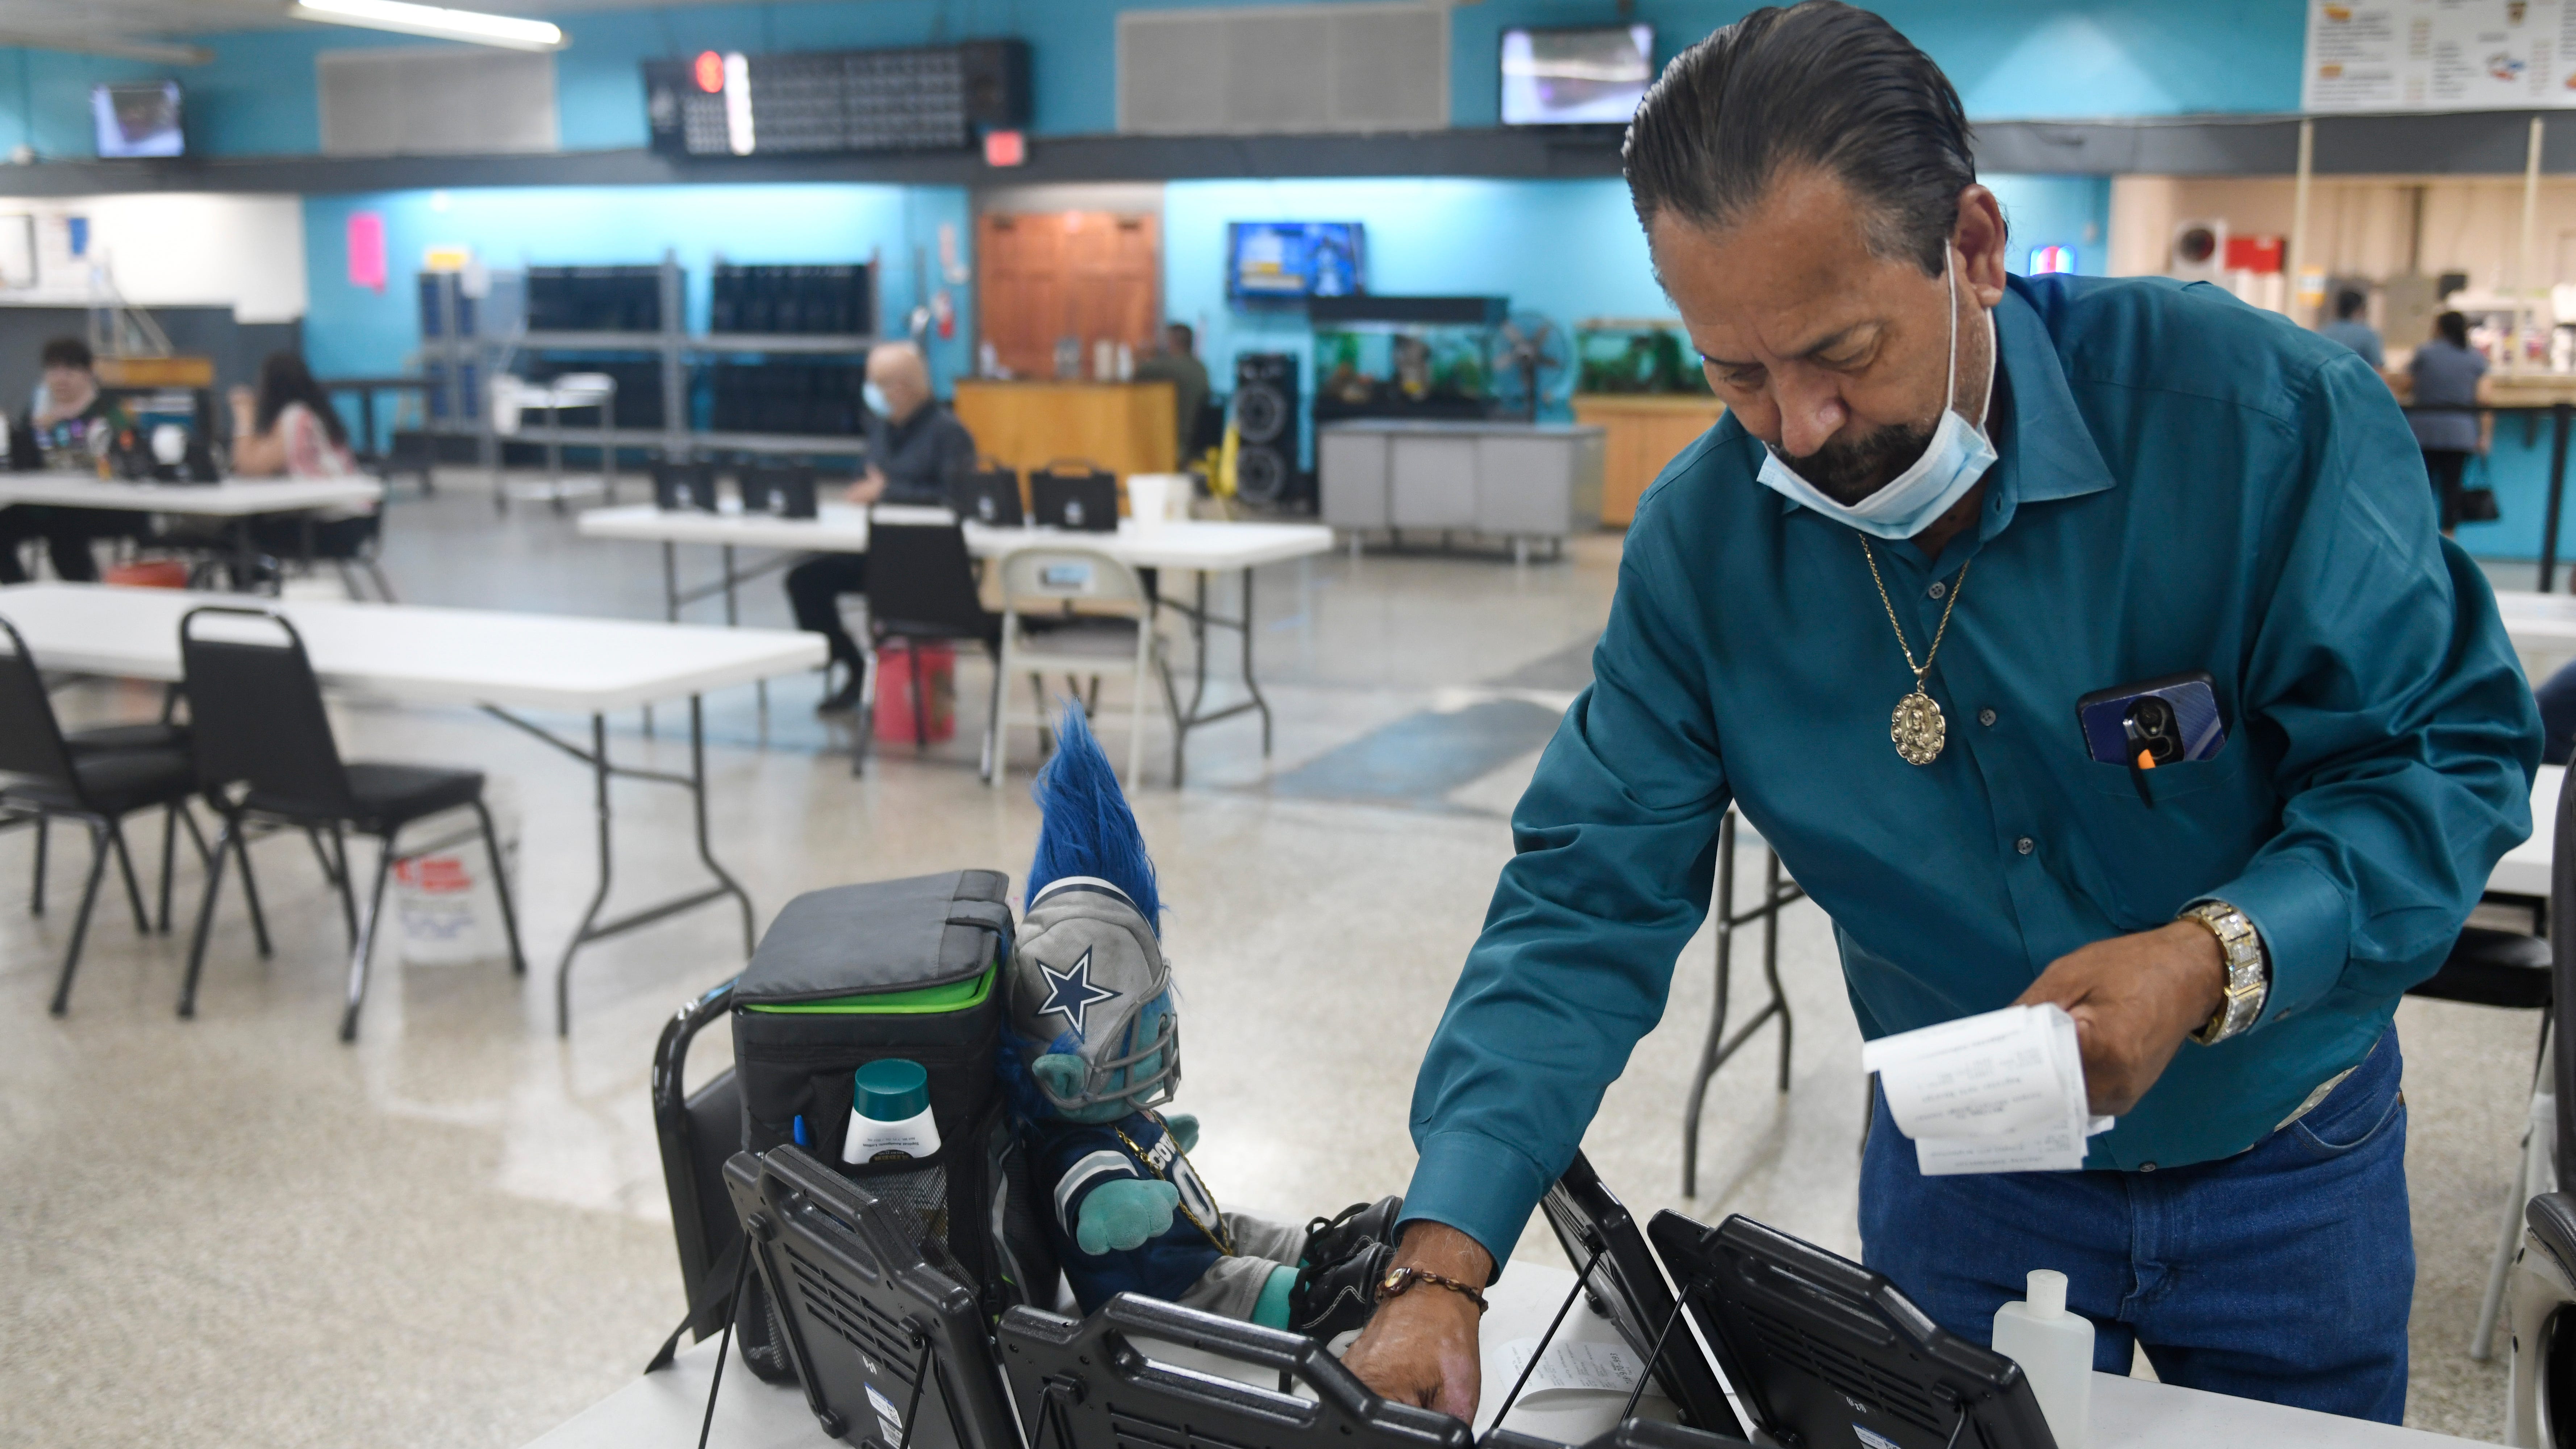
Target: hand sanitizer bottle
(2055,1351)
(890,1114)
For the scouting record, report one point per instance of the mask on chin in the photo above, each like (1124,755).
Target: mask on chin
(1947,463)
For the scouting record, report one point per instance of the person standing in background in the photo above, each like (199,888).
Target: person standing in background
(2348,329)
(1176,361)
(2450,383)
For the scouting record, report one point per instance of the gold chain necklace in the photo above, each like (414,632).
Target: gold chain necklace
(1917,726)
(1215,1234)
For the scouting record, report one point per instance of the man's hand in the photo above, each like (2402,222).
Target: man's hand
(870,487)
(1420,1347)
(2134,999)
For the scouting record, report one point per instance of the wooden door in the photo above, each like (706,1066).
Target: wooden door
(1087,275)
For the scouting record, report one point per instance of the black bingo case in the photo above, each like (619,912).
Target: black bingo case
(911,969)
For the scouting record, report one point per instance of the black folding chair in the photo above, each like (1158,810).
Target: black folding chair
(266,757)
(98,784)
(921,586)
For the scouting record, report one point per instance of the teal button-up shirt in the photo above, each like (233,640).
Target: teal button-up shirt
(2184,483)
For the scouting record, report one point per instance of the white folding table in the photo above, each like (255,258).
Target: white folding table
(665,1407)
(500,663)
(233,498)
(1201,547)
(235,501)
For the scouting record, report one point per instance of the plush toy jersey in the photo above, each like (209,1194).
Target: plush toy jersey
(1080,1158)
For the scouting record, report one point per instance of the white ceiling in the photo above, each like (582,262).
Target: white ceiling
(103,25)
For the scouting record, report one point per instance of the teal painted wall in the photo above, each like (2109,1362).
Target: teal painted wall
(356,330)
(2009,58)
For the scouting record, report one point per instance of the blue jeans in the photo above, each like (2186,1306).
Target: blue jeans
(2284,1273)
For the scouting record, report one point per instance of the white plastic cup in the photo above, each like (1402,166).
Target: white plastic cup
(1149,499)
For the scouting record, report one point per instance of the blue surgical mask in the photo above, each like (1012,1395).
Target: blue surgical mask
(876,401)
(1958,455)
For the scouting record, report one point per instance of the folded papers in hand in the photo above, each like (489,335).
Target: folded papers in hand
(1998,1092)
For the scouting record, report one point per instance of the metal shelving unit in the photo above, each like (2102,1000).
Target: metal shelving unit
(466,363)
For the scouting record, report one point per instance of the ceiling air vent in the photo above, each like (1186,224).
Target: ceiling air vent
(1284,70)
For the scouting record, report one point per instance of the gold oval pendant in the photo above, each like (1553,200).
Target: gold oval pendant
(1918,729)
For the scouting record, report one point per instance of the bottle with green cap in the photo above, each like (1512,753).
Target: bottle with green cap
(890,1114)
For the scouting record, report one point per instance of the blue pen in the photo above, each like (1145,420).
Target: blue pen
(804,1134)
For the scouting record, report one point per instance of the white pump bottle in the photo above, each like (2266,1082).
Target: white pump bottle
(2055,1351)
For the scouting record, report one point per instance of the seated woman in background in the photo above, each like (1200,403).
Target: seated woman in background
(288,429)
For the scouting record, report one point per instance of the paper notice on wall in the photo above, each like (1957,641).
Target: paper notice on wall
(1611,1368)
(1998,1092)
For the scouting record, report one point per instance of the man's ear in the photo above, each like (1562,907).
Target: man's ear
(1061,1075)
(1983,245)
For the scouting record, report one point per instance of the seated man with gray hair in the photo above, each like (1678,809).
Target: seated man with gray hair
(916,447)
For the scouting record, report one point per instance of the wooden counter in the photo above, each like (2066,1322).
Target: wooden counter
(1125,427)
(1645,431)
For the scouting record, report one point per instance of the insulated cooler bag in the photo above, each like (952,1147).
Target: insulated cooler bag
(910,969)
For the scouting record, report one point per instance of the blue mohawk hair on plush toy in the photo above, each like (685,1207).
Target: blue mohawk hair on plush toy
(1087,828)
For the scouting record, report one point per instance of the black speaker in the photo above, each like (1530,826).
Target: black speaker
(996,76)
(1265,426)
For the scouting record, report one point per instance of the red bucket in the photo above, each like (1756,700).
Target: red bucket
(148,573)
(928,672)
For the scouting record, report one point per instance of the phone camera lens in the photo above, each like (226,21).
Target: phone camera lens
(2152,727)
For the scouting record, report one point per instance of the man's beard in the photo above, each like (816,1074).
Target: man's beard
(1848,472)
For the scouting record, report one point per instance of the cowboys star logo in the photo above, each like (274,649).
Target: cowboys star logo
(1070,993)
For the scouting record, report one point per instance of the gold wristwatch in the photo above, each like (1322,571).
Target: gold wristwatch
(2249,970)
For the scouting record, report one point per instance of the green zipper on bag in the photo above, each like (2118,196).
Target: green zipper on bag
(921,1001)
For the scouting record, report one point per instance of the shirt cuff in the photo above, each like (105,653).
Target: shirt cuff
(2305,923)
(1483,1188)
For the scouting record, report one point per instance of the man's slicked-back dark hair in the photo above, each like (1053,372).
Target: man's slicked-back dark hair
(1821,85)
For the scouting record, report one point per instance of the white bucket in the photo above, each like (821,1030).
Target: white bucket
(446,910)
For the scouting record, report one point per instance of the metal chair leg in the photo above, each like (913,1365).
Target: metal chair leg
(125,868)
(330,870)
(250,893)
(866,725)
(36,891)
(384,587)
(993,726)
(98,849)
(920,699)
(169,856)
(339,874)
(205,920)
(501,888)
(366,942)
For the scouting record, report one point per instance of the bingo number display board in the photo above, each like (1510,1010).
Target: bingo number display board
(2439,55)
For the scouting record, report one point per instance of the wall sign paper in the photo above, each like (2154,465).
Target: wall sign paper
(2439,55)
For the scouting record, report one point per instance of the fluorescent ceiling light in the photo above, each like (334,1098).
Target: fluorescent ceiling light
(473,25)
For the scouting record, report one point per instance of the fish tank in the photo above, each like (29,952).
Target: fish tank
(1404,357)
(1637,357)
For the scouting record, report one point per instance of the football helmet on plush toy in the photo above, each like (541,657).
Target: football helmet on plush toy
(1096,1049)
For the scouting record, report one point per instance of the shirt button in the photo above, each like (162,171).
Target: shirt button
(2025,845)
(2146,1167)
(1986,717)
(1939,588)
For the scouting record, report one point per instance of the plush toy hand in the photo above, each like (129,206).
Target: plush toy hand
(1184,1129)
(1125,1214)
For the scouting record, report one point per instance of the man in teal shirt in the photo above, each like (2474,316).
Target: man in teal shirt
(1946,503)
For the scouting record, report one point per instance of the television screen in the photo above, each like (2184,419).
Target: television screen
(1576,77)
(1287,261)
(137,120)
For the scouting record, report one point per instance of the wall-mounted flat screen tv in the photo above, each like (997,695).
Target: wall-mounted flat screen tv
(1289,261)
(138,119)
(1587,76)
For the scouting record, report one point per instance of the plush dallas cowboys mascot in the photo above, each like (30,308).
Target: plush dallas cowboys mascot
(1097,1049)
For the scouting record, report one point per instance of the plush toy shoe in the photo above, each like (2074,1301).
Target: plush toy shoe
(1330,1240)
(1338,1297)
